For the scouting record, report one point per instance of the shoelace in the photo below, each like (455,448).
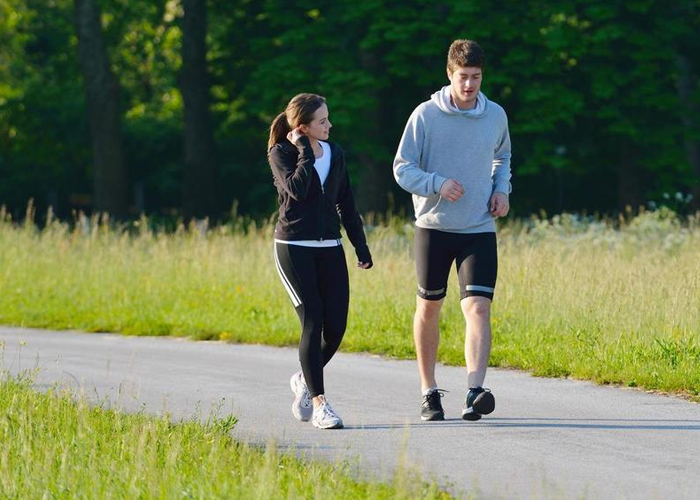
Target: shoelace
(479,390)
(430,399)
(305,396)
(327,411)
(306,399)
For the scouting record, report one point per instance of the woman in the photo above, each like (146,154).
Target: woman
(313,188)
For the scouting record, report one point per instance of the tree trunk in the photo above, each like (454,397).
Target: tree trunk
(686,80)
(630,192)
(376,177)
(375,187)
(200,176)
(109,176)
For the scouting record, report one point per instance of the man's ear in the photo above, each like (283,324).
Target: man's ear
(449,74)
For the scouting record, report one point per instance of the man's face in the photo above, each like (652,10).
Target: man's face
(465,85)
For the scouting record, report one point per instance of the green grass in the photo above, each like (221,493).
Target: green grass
(60,447)
(609,301)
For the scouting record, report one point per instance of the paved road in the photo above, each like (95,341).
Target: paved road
(548,438)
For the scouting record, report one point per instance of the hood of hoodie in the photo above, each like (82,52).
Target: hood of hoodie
(443,100)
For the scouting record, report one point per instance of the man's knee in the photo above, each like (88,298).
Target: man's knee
(428,309)
(477,307)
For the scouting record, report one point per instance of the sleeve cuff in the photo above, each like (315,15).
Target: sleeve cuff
(304,144)
(504,187)
(438,181)
(363,255)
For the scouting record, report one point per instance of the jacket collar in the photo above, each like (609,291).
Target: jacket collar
(288,147)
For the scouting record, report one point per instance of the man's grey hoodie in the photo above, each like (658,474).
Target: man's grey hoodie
(442,142)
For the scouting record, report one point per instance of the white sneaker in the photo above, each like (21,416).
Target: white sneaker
(301,407)
(325,418)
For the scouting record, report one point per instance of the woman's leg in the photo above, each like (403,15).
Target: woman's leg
(335,296)
(298,271)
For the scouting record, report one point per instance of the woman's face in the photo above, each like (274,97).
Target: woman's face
(320,126)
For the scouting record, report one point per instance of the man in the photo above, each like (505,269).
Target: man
(454,157)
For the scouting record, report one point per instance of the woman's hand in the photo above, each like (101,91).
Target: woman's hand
(294,135)
(364,258)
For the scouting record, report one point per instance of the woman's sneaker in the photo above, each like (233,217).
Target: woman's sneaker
(431,407)
(301,407)
(479,402)
(324,417)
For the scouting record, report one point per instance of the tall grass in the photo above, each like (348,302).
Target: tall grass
(57,446)
(615,301)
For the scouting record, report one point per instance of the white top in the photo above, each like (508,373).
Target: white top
(312,243)
(322,166)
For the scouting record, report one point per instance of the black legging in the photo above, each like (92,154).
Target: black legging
(317,282)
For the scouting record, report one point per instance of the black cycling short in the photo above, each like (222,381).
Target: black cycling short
(475,257)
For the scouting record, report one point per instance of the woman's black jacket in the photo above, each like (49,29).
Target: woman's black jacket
(309,210)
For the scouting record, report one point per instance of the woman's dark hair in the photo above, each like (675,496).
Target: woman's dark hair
(299,111)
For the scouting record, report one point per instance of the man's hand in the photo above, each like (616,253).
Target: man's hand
(499,205)
(451,190)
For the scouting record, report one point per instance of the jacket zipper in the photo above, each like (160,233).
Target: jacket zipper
(320,210)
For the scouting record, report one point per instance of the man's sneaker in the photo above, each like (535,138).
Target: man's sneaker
(301,407)
(479,402)
(324,417)
(431,407)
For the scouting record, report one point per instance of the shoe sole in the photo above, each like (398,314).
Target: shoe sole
(470,415)
(483,404)
(334,426)
(433,418)
(300,413)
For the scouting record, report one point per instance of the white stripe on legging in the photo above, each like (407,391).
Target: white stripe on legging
(296,302)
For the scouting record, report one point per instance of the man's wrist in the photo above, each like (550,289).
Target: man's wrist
(439,181)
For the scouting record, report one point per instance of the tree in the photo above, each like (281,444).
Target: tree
(200,186)
(109,175)
(687,50)
(599,93)
(44,142)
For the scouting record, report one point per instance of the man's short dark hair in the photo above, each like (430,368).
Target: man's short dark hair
(465,53)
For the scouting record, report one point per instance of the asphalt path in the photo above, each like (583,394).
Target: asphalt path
(548,438)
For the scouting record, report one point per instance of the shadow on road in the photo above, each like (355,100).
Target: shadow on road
(554,423)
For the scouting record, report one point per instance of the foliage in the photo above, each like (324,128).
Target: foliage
(591,88)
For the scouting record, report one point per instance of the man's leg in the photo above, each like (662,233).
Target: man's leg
(426,335)
(433,262)
(477,342)
(477,268)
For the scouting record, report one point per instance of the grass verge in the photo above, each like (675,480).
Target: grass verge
(58,446)
(609,301)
